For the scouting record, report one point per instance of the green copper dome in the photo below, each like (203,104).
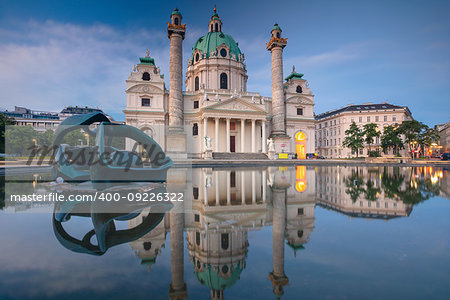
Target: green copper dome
(176,12)
(209,43)
(275,26)
(214,281)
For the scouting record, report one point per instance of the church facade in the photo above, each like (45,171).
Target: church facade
(215,114)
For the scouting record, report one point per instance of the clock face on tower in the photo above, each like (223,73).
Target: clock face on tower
(223,52)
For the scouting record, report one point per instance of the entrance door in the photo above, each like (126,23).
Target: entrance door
(232,143)
(300,144)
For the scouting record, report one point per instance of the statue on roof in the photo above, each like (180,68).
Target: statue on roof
(147,53)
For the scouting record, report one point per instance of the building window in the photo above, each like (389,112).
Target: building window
(299,111)
(197,238)
(145,102)
(377,119)
(175,21)
(197,57)
(195,104)
(147,246)
(385,118)
(300,211)
(224,241)
(146,76)
(299,89)
(212,28)
(217,27)
(300,233)
(195,129)
(197,218)
(360,119)
(223,52)
(352,120)
(394,118)
(196,83)
(223,81)
(195,192)
(278,35)
(368,119)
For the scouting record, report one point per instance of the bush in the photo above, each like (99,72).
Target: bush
(375,153)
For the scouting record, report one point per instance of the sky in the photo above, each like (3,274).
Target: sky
(60,53)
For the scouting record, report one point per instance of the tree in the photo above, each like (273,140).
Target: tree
(371,131)
(45,138)
(4,121)
(430,136)
(354,138)
(19,140)
(391,139)
(413,132)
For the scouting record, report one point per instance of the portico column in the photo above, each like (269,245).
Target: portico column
(253,135)
(263,139)
(242,135)
(228,135)
(217,134)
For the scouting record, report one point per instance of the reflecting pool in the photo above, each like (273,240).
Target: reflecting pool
(325,232)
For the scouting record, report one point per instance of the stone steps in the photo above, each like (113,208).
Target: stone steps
(238,156)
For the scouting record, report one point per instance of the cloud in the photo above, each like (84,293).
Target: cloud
(50,65)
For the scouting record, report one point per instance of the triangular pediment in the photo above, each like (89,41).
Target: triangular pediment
(147,88)
(300,100)
(236,104)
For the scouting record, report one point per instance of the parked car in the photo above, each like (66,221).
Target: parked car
(320,157)
(311,156)
(445,156)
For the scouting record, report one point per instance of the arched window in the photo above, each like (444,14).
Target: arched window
(223,52)
(299,89)
(212,28)
(223,81)
(147,246)
(197,57)
(146,76)
(176,21)
(217,27)
(196,83)
(278,35)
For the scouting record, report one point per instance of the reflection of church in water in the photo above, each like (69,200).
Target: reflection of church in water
(225,205)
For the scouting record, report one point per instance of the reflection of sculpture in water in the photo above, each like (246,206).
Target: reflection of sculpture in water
(104,228)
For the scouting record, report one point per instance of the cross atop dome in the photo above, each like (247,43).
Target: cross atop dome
(215,24)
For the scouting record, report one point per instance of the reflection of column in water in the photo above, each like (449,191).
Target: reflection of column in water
(243,187)
(217,188)
(253,187)
(264,183)
(277,276)
(178,288)
(228,187)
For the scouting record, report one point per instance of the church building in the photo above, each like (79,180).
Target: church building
(215,116)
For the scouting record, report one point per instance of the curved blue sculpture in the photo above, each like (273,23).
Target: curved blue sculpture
(102,162)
